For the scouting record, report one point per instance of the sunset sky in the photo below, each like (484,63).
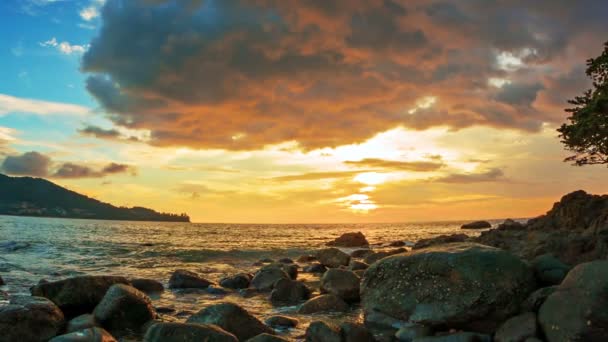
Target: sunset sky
(299,111)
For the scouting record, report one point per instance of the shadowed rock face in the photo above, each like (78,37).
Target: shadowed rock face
(575,230)
(124,309)
(179,332)
(233,319)
(29,319)
(78,295)
(460,285)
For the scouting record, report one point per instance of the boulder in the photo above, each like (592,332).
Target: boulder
(350,240)
(123,310)
(372,258)
(183,279)
(265,278)
(333,257)
(459,285)
(536,299)
(29,319)
(267,338)
(549,270)
(477,225)
(147,285)
(306,258)
(319,331)
(323,303)
(315,268)
(341,283)
(94,334)
(184,332)
(440,240)
(237,281)
(289,292)
(411,332)
(576,311)
(355,332)
(81,322)
(78,295)
(355,265)
(279,321)
(361,253)
(290,269)
(517,329)
(233,319)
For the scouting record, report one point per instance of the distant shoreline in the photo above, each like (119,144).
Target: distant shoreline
(92,218)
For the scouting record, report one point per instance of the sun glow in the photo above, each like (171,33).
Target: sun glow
(358,203)
(371,178)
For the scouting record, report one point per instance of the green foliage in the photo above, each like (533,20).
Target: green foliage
(586,133)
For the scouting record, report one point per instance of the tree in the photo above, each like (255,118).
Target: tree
(586,133)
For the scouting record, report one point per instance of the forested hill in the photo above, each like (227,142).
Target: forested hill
(26,196)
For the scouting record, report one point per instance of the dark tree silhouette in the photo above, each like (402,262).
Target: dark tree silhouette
(586,133)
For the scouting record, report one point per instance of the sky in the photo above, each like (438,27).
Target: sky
(299,111)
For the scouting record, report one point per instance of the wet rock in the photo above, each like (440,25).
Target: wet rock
(94,334)
(576,311)
(355,265)
(123,310)
(265,278)
(459,285)
(306,258)
(440,240)
(184,332)
(147,285)
(457,337)
(81,322)
(549,270)
(319,331)
(411,332)
(285,261)
(231,318)
(341,283)
(281,322)
(355,332)
(237,281)
(350,240)
(333,257)
(78,295)
(536,299)
(477,225)
(517,329)
(288,292)
(267,338)
(315,268)
(183,279)
(324,303)
(361,253)
(29,319)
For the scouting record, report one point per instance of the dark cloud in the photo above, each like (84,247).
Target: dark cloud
(243,74)
(418,166)
(99,132)
(40,165)
(27,164)
(491,175)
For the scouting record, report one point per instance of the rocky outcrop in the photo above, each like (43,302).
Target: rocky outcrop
(123,310)
(289,292)
(323,303)
(333,257)
(233,319)
(477,225)
(349,240)
(341,283)
(460,285)
(86,335)
(78,295)
(183,279)
(29,319)
(576,311)
(182,332)
(575,230)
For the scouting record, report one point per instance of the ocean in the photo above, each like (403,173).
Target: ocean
(32,249)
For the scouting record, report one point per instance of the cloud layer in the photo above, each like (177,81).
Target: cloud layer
(243,74)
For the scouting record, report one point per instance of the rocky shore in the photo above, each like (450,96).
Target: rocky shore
(545,280)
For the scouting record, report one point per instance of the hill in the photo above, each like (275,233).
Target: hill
(26,196)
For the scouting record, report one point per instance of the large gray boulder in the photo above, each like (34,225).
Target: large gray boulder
(29,319)
(333,257)
(185,332)
(87,335)
(123,310)
(233,319)
(576,311)
(459,285)
(342,283)
(78,295)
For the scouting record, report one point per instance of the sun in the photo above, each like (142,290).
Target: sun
(371,178)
